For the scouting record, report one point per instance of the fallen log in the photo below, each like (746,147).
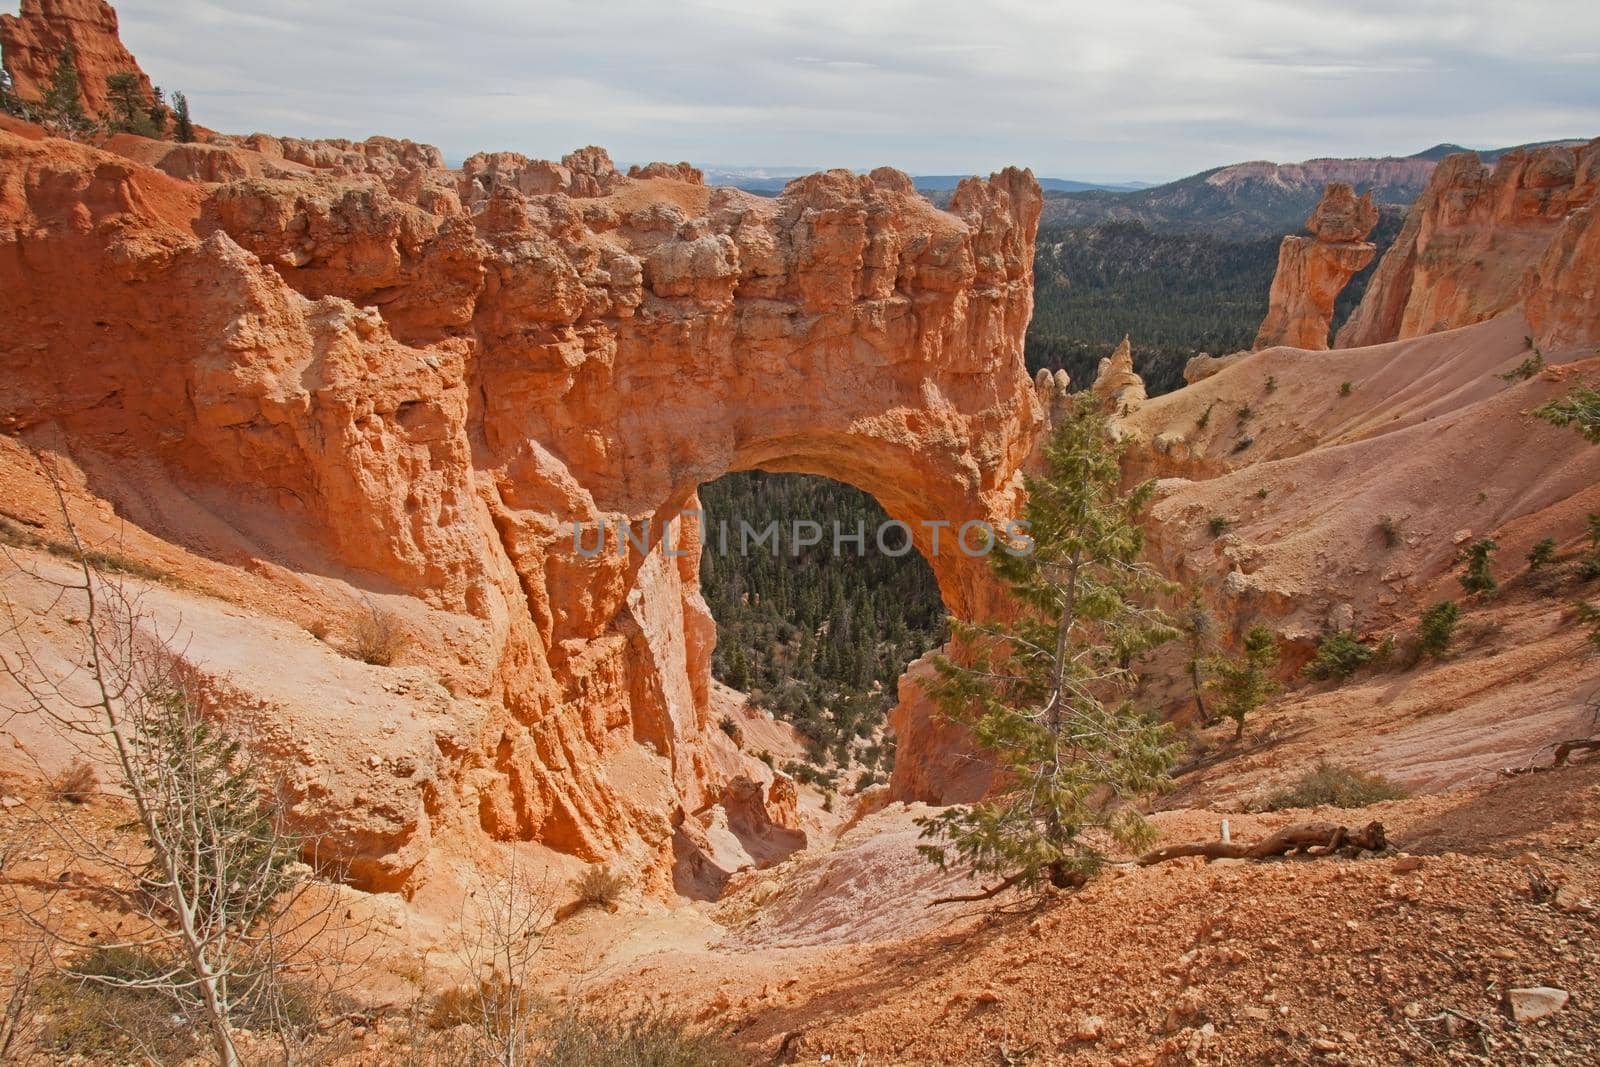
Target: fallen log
(1563,752)
(1306,838)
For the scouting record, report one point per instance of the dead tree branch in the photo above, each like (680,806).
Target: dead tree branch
(1308,838)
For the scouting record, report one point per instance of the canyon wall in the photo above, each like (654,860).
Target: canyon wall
(1313,270)
(362,379)
(1481,241)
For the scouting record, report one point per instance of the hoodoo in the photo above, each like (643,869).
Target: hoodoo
(1312,270)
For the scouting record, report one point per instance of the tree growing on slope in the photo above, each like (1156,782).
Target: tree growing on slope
(1044,693)
(1245,681)
(182,125)
(214,879)
(1437,628)
(1478,577)
(130,107)
(61,108)
(1579,409)
(1198,629)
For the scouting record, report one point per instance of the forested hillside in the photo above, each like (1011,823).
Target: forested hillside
(818,638)
(1174,295)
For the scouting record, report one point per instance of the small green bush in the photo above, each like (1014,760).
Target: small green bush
(1261,494)
(1333,785)
(1526,369)
(1391,530)
(1478,577)
(1243,443)
(1590,567)
(1244,413)
(1218,525)
(1437,628)
(1589,615)
(1542,554)
(1272,383)
(1205,416)
(1339,656)
(1345,388)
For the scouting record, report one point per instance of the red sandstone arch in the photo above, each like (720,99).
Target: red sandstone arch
(413,381)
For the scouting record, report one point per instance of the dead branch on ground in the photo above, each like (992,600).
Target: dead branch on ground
(1307,839)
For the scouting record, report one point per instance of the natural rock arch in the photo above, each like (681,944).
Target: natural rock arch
(416,380)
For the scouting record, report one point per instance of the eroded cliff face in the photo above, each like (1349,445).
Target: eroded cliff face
(346,367)
(1313,270)
(32,41)
(1480,241)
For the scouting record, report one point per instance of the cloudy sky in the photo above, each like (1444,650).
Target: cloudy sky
(1119,89)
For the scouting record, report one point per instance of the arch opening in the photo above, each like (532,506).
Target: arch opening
(818,624)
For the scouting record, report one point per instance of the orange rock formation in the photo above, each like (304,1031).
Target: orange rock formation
(348,370)
(32,41)
(1312,270)
(1479,242)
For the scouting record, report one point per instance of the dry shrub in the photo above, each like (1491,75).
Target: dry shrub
(577,1040)
(1333,785)
(76,784)
(377,637)
(599,888)
(101,1023)
(470,1005)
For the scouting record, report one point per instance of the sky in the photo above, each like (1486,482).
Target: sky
(1119,90)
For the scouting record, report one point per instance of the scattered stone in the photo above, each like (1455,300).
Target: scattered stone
(1534,1003)
(1090,1027)
(987,996)
(1568,899)
(1406,864)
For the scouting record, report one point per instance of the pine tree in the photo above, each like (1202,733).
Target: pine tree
(182,125)
(1043,693)
(183,756)
(130,108)
(62,106)
(1245,682)
(158,114)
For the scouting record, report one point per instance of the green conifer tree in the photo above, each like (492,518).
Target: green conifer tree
(62,106)
(1043,693)
(1245,682)
(182,125)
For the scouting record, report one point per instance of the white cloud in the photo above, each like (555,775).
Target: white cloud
(1105,90)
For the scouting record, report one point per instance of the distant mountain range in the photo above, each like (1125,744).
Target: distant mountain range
(769,181)
(1255,199)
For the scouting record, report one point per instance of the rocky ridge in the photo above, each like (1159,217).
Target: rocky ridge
(1480,241)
